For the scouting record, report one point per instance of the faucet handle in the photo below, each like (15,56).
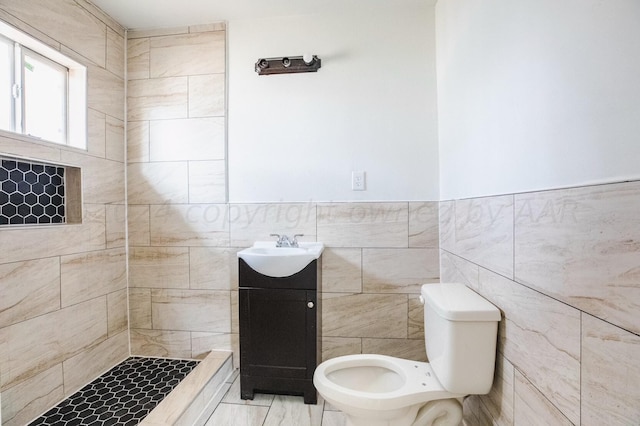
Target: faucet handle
(295,236)
(275,235)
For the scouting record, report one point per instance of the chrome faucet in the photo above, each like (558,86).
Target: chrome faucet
(285,241)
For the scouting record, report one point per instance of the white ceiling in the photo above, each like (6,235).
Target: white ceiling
(139,14)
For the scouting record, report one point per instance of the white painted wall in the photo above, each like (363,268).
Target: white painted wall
(371,107)
(537,94)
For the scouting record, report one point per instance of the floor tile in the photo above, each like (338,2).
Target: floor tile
(238,415)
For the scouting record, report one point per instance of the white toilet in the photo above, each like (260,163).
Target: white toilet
(460,330)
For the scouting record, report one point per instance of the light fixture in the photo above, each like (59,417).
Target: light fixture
(288,64)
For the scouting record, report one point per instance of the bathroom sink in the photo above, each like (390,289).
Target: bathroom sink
(267,259)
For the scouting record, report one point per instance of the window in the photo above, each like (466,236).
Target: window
(42,92)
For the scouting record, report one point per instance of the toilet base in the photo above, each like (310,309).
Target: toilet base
(442,412)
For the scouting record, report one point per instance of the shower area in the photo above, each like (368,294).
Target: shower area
(142,268)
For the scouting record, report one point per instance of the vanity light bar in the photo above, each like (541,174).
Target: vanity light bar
(288,65)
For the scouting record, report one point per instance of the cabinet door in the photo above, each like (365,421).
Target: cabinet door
(278,333)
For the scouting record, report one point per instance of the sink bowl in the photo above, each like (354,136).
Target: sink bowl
(267,259)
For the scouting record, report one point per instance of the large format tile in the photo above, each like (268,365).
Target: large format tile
(399,348)
(157,99)
(447,225)
(454,269)
(88,275)
(207,181)
(423,224)
(114,139)
(115,53)
(95,172)
(116,225)
(138,58)
(32,346)
(364,315)
(581,246)
(238,415)
(187,139)
(187,54)
(255,222)
(531,407)
(117,312)
(160,343)
(189,225)
(207,95)
(338,346)
(233,397)
(610,374)
(159,267)
(484,232)
(399,270)
(210,267)
(22,403)
(158,183)
(105,92)
(363,224)
(499,401)
(137,141)
(532,341)
(28,289)
(342,270)
(138,225)
(191,310)
(287,411)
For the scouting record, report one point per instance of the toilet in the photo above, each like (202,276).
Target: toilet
(460,328)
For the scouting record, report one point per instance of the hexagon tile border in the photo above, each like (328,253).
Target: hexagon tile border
(122,396)
(31,193)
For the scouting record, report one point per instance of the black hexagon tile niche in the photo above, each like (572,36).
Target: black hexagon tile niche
(122,396)
(31,193)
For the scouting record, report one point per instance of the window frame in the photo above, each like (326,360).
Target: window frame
(75,107)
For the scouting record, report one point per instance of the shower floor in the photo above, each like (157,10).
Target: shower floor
(122,396)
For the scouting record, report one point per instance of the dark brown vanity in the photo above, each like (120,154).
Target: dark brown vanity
(279,332)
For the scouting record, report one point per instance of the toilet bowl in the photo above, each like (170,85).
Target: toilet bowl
(379,390)
(460,329)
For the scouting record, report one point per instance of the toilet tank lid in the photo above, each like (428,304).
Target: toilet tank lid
(457,302)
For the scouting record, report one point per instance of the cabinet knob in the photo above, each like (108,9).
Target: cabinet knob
(310,305)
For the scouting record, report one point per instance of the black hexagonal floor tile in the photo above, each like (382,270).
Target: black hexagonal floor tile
(102,402)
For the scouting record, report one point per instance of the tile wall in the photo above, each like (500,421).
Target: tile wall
(564,268)
(184,236)
(63,301)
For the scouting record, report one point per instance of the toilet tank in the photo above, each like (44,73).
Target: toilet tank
(461,329)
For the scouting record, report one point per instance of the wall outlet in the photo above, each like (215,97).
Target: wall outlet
(358,181)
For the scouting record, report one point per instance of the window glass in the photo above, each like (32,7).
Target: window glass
(6,84)
(45,92)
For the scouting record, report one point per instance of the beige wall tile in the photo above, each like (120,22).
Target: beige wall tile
(215,26)
(99,13)
(117,312)
(533,408)
(27,400)
(475,413)
(105,92)
(333,347)
(423,224)
(400,348)
(207,181)
(499,401)
(399,270)
(173,344)
(158,183)
(203,343)
(137,141)
(207,95)
(188,54)
(580,246)
(138,222)
(447,225)
(157,99)
(255,222)
(139,307)
(364,315)
(415,318)
(86,366)
(210,267)
(116,225)
(88,275)
(189,225)
(610,374)
(115,53)
(532,341)
(341,270)
(96,133)
(138,58)
(34,243)
(49,339)
(159,267)
(66,22)
(15,146)
(28,29)
(95,172)
(114,139)
(29,289)
(363,224)
(187,139)
(454,269)
(191,310)
(484,232)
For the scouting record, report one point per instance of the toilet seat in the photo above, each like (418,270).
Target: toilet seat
(348,380)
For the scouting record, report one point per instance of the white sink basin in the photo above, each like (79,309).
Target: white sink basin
(266,258)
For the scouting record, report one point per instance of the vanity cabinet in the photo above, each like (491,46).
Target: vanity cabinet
(279,332)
